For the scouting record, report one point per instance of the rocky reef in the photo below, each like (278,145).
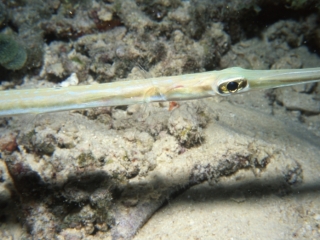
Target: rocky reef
(103,173)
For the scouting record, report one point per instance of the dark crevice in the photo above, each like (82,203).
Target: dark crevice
(51,37)
(13,26)
(82,49)
(252,23)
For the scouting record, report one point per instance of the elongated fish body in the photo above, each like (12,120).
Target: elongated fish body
(175,88)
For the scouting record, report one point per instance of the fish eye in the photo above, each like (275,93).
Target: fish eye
(232,86)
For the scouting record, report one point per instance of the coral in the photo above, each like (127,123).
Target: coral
(158,9)
(32,143)
(85,217)
(42,221)
(294,174)
(186,124)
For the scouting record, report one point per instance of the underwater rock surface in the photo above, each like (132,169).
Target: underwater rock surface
(246,166)
(12,54)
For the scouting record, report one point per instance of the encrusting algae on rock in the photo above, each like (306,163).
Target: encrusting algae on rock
(13,56)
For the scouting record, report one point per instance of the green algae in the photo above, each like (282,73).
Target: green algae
(13,56)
